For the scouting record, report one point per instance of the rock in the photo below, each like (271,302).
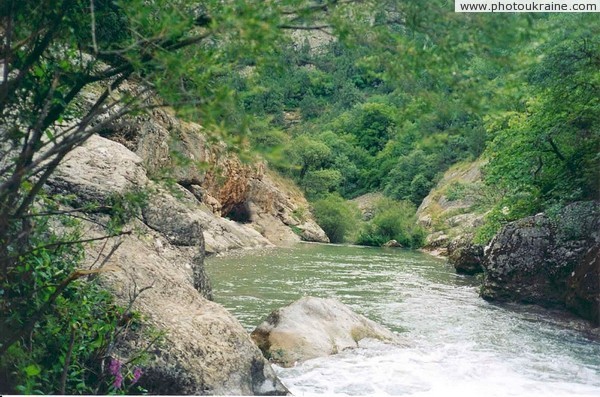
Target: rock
(437,240)
(367,204)
(392,244)
(273,197)
(205,349)
(448,215)
(583,295)
(215,176)
(176,219)
(552,262)
(465,256)
(314,327)
(173,219)
(310,231)
(97,170)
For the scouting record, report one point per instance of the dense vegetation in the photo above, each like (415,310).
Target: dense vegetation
(385,97)
(351,117)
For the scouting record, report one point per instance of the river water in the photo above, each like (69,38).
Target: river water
(460,344)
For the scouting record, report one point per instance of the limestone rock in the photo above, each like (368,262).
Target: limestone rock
(548,261)
(216,177)
(272,196)
(205,349)
(98,169)
(314,327)
(453,215)
(181,218)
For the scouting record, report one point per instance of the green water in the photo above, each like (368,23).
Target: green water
(252,284)
(460,344)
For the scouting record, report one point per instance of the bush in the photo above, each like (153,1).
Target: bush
(58,326)
(337,217)
(393,220)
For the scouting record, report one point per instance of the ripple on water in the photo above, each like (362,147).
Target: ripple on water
(460,344)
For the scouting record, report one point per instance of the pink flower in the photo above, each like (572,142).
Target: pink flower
(114,367)
(137,373)
(118,381)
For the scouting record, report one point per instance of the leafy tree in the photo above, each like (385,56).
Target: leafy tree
(320,182)
(308,154)
(65,64)
(393,220)
(547,154)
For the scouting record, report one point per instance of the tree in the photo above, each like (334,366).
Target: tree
(64,68)
(547,154)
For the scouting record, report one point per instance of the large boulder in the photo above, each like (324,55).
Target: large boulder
(551,261)
(97,170)
(314,327)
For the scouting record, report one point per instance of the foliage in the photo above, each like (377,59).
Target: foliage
(393,220)
(65,64)
(547,153)
(72,324)
(337,217)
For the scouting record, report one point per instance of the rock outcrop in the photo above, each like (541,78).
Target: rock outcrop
(226,186)
(550,261)
(448,212)
(205,350)
(315,327)
(367,204)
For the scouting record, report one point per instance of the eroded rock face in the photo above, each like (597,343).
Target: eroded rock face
(453,218)
(99,169)
(315,327)
(180,219)
(205,349)
(218,178)
(548,261)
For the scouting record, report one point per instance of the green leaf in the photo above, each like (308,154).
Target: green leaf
(32,370)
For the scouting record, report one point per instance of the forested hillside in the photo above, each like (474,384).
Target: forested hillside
(343,97)
(393,106)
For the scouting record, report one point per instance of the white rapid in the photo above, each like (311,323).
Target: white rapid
(461,345)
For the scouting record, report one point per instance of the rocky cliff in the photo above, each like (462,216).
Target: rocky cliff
(204,350)
(553,261)
(225,186)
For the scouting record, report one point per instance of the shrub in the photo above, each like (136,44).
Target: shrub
(393,220)
(58,326)
(337,217)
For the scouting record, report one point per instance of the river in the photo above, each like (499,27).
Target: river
(460,344)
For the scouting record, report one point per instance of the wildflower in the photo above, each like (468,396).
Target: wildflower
(137,373)
(114,367)
(118,381)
